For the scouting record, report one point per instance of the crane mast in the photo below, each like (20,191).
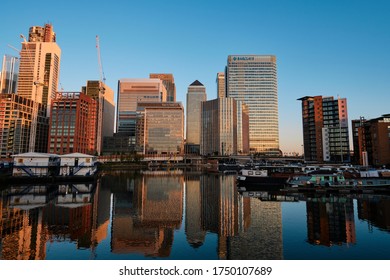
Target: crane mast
(102,77)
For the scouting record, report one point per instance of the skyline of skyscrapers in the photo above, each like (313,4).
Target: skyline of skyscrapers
(252,79)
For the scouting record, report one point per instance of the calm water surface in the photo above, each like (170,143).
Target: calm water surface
(189,216)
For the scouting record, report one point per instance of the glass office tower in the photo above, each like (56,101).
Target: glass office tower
(9,74)
(252,79)
(196,94)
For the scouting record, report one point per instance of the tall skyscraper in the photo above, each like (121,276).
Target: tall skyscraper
(252,79)
(169,84)
(196,94)
(221,85)
(325,129)
(130,92)
(39,72)
(104,95)
(39,65)
(9,74)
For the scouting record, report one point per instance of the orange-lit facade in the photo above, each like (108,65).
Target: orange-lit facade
(39,65)
(130,92)
(15,125)
(160,128)
(221,85)
(73,124)
(169,83)
(104,96)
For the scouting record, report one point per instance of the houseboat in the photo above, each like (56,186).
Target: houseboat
(78,164)
(319,178)
(338,180)
(42,167)
(35,165)
(266,175)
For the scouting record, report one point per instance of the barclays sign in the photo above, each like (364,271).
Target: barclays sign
(243,58)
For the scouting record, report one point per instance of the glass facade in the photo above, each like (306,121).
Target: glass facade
(16,114)
(221,133)
(160,128)
(252,79)
(130,92)
(9,74)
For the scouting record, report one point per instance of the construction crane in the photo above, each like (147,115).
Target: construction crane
(102,82)
(101,72)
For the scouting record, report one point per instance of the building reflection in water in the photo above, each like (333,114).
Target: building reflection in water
(34,216)
(376,210)
(260,236)
(247,228)
(143,212)
(146,211)
(194,230)
(330,220)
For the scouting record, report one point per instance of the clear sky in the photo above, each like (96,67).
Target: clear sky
(330,48)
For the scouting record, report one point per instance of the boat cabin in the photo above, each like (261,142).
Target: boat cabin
(35,165)
(77,164)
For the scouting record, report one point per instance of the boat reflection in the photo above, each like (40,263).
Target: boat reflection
(34,216)
(172,215)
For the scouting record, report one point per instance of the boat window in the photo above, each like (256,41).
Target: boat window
(250,172)
(257,173)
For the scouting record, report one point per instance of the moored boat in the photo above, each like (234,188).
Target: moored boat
(327,179)
(259,177)
(319,178)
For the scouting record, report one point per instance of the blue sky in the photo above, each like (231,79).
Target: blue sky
(331,48)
